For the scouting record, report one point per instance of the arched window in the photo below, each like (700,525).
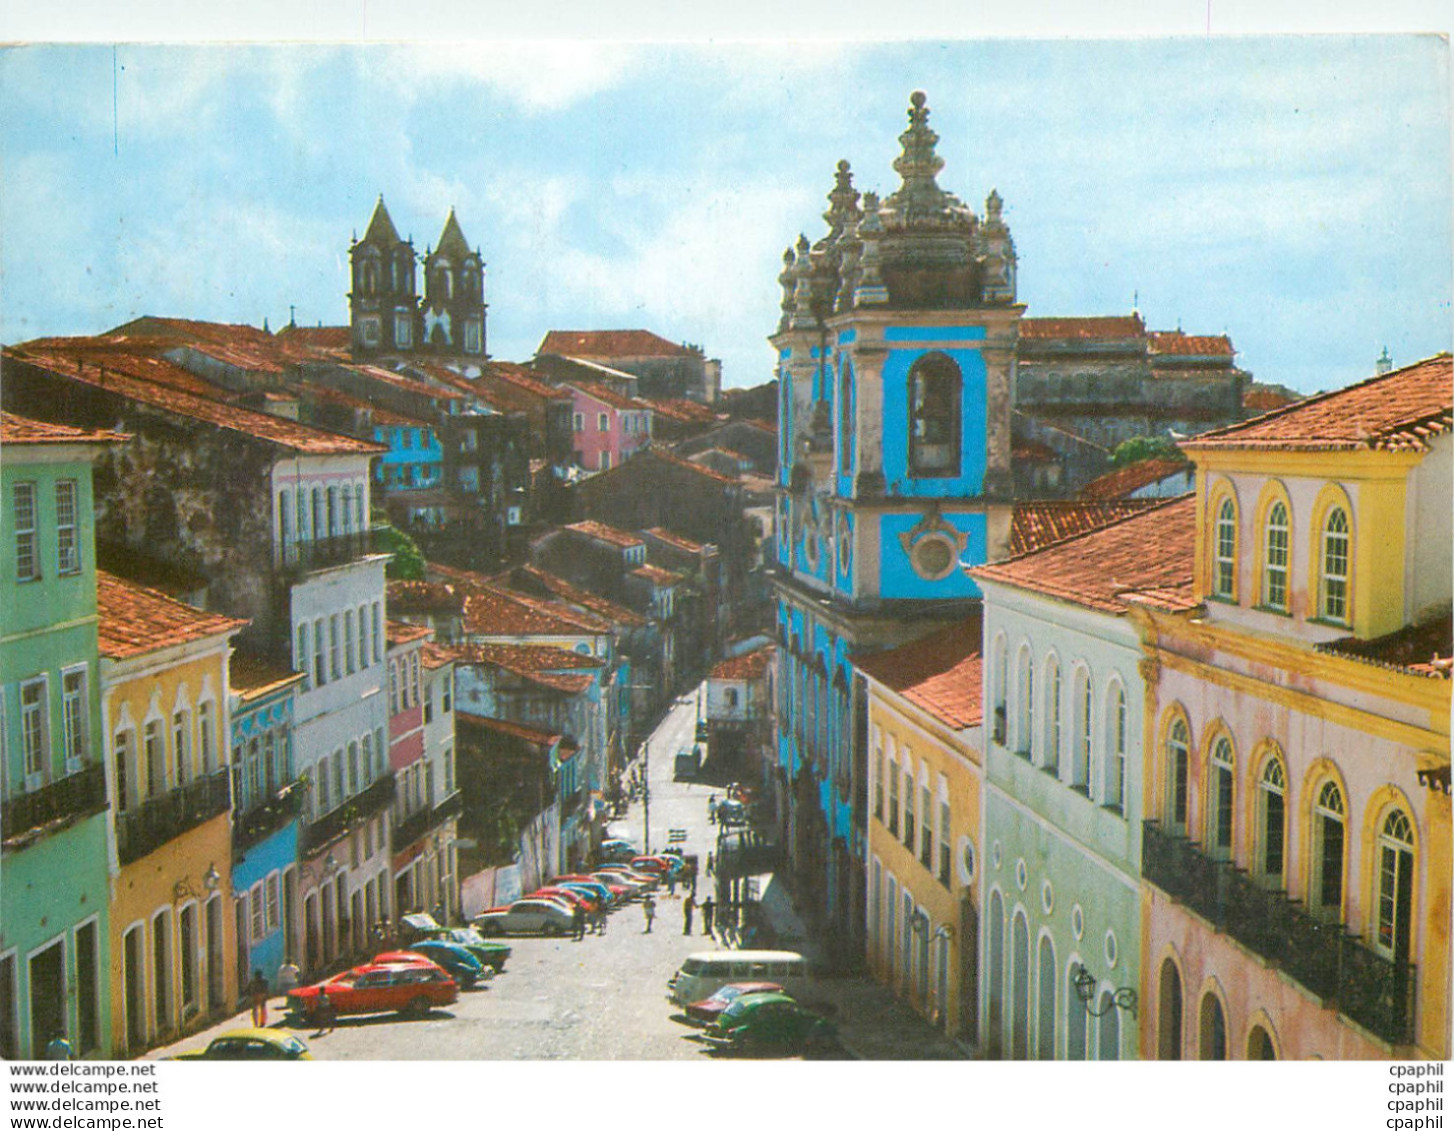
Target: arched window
(1224,556)
(1080,771)
(1219,799)
(1045,1020)
(1052,715)
(1000,677)
(319,532)
(847,432)
(1115,793)
(934,416)
(347,515)
(1178,745)
(1110,1043)
(1325,896)
(285,516)
(1333,584)
(995,938)
(1213,1043)
(1395,885)
(1271,821)
(1077,1018)
(1024,728)
(1020,989)
(1259,1045)
(1274,562)
(1168,1016)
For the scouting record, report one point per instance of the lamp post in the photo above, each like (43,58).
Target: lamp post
(1124,997)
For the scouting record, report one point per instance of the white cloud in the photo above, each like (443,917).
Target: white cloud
(538,75)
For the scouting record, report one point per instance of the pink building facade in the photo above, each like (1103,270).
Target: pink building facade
(607,428)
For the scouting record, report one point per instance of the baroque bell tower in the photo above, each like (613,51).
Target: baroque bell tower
(454,295)
(383,303)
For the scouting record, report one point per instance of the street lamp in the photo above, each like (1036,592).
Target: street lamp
(1124,997)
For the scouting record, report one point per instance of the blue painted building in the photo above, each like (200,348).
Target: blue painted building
(415,459)
(895,358)
(267,797)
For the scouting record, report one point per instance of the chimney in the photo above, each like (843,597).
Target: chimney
(1384,363)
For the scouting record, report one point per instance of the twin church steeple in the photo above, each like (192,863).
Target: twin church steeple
(385,312)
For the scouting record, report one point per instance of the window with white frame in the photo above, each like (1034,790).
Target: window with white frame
(335,669)
(1333,595)
(23,522)
(320,671)
(893,795)
(68,544)
(1116,770)
(363,637)
(257,912)
(910,798)
(75,716)
(1080,772)
(1224,563)
(578,422)
(1177,754)
(603,422)
(1326,897)
(1274,569)
(1052,715)
(1395,886)
(1025,722)
(1000,679)
(33,727)
(378,634)
(273,901)
(154,745)
(1271,821)
(348,649)
(300,656)
(206,744)
(1219,799)
(181,748)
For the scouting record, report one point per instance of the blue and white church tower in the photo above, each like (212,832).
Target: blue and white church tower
(896,353)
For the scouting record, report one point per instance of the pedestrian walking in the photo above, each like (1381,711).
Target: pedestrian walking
(325,1014)
(601,915)
(578,922)
(287,976)
(257,996)
(688,906)
(648,909)
(710,862)
(671,882)
(712,810)
(709,909)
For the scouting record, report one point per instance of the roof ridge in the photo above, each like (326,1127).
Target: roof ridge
(1152,505)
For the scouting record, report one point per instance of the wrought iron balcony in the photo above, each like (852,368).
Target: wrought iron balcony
(410,828)
(359,807)
(69,798)
(267,817)
(148,826)
(1333,965)
(319,553)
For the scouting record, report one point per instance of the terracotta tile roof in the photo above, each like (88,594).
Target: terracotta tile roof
(1094,328)
(522,378)
(604,533)
(672,459)
(319,337)
(378,415)
(135,620)
(1037,525)
(1120,483)
(609,343)
(605,396)
(1396,411)
(554,681)
(137,357)
(115,378)
(397,633)
(618,615)
(1194,345)
(424,597)
(1146,556)
(657,575)
(436,656)
(251,676)
(22,430)
(1421,649)
(490,610)
(514,730)
(1265,398)
(749,665)
(677,540)
(680,409)
(246,347)
(525,659)
(941,673)
(405,384)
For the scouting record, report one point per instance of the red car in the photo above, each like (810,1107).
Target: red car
(573,898)
(709,1009)
(377,988)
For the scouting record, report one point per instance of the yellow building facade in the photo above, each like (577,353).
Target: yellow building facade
(924,783)
(164,704)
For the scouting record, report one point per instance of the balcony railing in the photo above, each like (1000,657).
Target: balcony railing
(1373,990)
(357,808)
(318,553)
(416,824)
(73,796)
(151,824)
(266,818)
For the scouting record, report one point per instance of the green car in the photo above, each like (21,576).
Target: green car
(422,925)
(770,1021)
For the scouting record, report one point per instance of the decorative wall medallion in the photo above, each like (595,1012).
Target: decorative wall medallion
(933,546)
(845,544)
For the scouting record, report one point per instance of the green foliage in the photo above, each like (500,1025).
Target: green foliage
(407,563)
(1139,448)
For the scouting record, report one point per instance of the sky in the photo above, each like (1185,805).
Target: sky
(1292,192)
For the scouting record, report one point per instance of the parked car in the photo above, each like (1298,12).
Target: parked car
(620,888)
(250,1044)
(453,959)
(490,954)
(617,851)
(525,917)
(573,899)
(597,893)
(414,988)
(769,1021)
(642,880)
(709,1009)
(731,813)
(601,891)
(659,866)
